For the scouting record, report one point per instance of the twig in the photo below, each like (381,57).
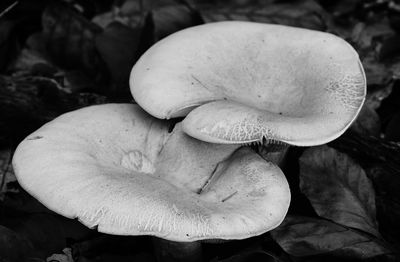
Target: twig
(8,9)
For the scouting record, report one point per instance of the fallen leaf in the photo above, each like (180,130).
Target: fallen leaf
(31,62)
(6,171)
(380,160)
(367,36)
(387,186)
(395,68)
(69,41)
(130,13)
(305,236)
(339,8)
(377,74)
(307,14)
(172,18)
(104,19)
(371,152)
(338,188)
(28,102)
(118,46)
(367,122)
(75,81)
(389,48)
(66,257)
(376,97)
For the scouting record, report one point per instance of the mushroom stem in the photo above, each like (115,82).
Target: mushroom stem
(274,153)
(168,251)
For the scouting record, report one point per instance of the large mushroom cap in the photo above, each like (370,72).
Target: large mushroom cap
(117,168)
(295,85)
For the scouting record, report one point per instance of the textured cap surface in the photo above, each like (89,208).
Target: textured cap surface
(300,86)
(116,168)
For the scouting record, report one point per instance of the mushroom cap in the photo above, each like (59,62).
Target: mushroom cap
(116,168)
(247,81)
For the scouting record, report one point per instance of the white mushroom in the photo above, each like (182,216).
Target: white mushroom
(249,81)
(118,169)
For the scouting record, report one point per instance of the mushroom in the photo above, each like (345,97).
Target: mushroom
(243,82)
(115,168)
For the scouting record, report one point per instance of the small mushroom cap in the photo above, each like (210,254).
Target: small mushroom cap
(301,86)
(116,168)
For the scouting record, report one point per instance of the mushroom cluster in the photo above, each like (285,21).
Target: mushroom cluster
(119,168)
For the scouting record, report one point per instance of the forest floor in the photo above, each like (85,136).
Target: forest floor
(58,56)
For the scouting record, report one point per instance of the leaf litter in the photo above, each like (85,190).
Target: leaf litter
(68,59)
(344,199)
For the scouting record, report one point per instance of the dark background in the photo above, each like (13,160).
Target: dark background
(57,56)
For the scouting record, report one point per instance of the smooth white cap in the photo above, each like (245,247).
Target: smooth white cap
(295,85)
(116,168)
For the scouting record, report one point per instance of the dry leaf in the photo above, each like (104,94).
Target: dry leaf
(6,172)
(118,46)
(69,41)
(377,73)
(338,188)
(305,236)
(66,257)
(307,14)
(170,19)
(367,122)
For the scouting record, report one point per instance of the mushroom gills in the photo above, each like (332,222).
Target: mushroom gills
(265,141)
(230,122)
